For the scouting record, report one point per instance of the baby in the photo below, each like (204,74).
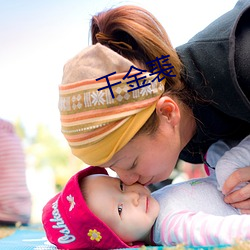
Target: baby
(96,211)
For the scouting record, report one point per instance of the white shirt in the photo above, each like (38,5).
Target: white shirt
(194,212)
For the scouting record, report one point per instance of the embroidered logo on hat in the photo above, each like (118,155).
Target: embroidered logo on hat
(60,224)
(70,198)
(94,235)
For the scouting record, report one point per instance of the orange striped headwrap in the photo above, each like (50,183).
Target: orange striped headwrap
(95,123)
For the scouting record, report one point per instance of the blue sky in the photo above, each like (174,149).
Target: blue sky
(38,37)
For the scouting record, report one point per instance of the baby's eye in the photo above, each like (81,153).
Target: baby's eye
(120,206)
(121,186)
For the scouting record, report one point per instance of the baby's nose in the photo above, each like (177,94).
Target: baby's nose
(133,197)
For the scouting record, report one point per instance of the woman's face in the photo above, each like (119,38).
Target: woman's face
(148,159)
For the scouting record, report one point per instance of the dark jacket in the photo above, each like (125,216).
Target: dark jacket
(217,66)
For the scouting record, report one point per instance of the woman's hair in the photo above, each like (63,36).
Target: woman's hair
(135,33)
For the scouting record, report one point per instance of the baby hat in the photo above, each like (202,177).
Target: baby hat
(69,223)
(104,100)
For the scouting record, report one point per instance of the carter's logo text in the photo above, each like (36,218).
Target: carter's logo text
(67,237)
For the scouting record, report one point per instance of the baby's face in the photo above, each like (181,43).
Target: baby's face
(130,211)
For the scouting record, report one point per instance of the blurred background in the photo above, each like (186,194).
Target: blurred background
(36,40)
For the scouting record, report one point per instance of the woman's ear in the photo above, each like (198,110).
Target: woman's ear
(168,110)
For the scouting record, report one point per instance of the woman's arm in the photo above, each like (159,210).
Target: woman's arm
(233,175)
(231,162)
(239,198)
(237,157)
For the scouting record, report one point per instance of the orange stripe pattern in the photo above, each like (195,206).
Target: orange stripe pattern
(88,114)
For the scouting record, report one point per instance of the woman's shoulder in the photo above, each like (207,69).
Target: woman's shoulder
(209,65)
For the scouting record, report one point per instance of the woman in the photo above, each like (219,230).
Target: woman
(193,103)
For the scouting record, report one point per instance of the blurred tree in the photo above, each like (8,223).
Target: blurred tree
(45,150)
(20,130)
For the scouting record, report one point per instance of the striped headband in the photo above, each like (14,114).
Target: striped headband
(101,104)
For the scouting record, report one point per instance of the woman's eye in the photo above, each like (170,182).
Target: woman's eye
(120,206)
(121,186)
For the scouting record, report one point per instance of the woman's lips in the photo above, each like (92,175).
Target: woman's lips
(147,203)
(148,183)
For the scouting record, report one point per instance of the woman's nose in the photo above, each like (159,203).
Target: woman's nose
(126,177)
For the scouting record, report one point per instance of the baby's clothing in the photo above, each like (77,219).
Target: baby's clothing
(194,212)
